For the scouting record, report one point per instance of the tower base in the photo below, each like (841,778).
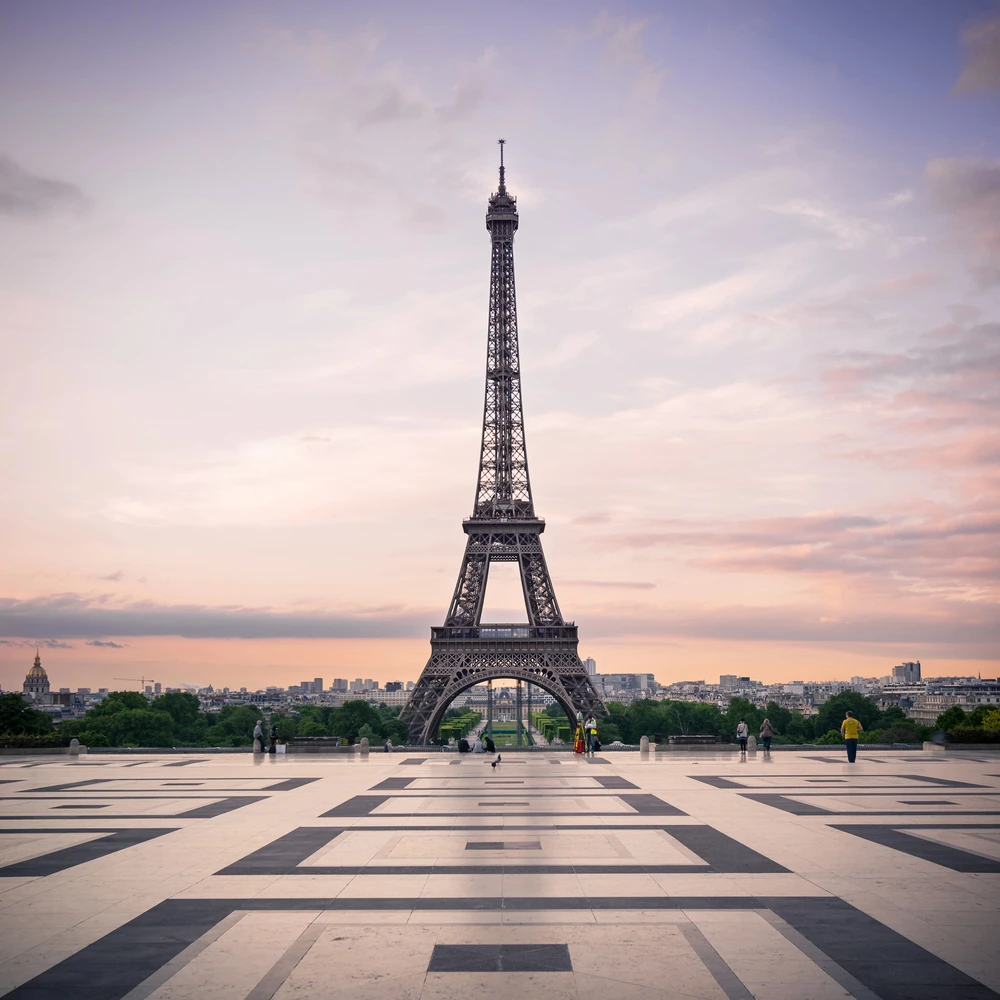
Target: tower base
(544,655)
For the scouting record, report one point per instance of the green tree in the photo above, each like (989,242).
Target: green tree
(831,713)
(190,723)
(952,718)
(312,728)
(231,726)
(18,718)
(741,708)
(778,716)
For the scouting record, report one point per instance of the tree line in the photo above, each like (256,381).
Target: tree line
(127,718)
(629,723)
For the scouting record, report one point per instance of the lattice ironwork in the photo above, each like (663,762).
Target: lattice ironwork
(503,528)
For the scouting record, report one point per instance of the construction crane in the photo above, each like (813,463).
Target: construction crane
(138,680)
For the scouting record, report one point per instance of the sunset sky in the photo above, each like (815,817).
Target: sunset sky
(243,286)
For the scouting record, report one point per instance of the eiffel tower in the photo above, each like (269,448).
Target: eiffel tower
(503,528)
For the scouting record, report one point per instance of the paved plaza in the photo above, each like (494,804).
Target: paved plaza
(789,877)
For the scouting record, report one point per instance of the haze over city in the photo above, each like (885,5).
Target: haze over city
(243,290)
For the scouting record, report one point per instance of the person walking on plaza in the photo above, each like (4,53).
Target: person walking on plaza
(766,733)
(590,732)
(743,734)
(273,740)
(849,729)
(258,738)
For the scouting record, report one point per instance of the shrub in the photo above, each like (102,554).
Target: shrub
(973,736)
(829,738)
(20,741)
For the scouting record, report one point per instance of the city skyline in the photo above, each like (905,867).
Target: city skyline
(244,296)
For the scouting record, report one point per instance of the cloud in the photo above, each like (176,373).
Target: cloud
(971,632)
(28,195)
(62,616)
(897,199)
(113,577)
(109,644)
(968,191)
(624,47)
(981,73)
(32,643)
(849,232)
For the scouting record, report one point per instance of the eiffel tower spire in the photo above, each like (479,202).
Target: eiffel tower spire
(503,527)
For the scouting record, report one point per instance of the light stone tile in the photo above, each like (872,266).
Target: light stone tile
(231,966)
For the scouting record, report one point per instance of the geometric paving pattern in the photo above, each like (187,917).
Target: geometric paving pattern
(682,875)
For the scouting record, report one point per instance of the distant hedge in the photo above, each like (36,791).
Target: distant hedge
(972,736)
(21,742)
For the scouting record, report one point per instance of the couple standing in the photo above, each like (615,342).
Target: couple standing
(766,735)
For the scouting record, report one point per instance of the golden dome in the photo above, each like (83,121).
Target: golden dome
(37,672)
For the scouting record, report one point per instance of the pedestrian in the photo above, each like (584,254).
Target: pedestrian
(742,734)
(463,745)
(273,740)
(849,729)
(766,732)
(258,738)
(388,745)
(488,743)
(590,731)
(478,747)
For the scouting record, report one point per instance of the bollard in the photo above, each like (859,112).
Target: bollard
(74,747)
(644,746)
(752,744)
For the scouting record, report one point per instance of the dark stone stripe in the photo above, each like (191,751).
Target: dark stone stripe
(938,854)
(503,869)
(112,966)
(503,845)
(392,784)
(282,856)
(511,903)
(651,805)
(185,763)
(226,805)
(500,958)
(70,857)
(289,784)
(721,852)
(360,805)
(715,781)
(890,965)
(613,781)
(785,804)
(413,760)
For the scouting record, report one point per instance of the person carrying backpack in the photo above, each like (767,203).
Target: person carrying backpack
(743,734)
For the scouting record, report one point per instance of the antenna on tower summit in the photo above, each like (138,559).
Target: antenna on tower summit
(501,142)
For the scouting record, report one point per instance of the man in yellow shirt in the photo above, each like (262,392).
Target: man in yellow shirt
(849,729)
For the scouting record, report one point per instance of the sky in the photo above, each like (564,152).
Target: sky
(244,275)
